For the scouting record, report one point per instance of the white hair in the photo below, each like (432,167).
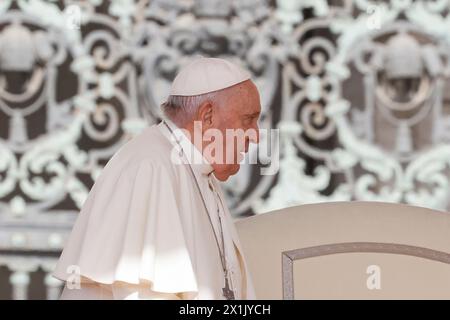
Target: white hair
(182,109)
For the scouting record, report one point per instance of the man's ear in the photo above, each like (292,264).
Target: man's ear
(205,114)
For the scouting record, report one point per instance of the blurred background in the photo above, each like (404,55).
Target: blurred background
(359,91)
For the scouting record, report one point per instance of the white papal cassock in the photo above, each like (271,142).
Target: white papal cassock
(143,231)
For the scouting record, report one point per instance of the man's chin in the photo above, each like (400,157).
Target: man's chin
(223,176)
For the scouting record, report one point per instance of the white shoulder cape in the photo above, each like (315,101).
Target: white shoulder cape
(142,223)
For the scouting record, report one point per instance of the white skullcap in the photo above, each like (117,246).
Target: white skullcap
(204,75)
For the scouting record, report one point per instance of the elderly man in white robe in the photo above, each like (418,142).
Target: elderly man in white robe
(155,224)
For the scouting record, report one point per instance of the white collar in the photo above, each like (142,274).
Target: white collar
(194,157)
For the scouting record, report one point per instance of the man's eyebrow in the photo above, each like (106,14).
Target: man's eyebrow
(254,114)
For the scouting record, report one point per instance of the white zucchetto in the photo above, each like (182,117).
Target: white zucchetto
(204,75)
